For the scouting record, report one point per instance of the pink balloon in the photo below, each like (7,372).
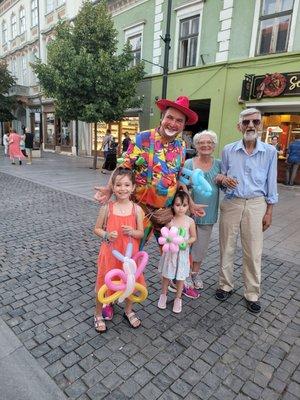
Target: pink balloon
(162,240)
(141,259)
(164,231)
(166,248)
(112,274)
(177,240)
(174,248)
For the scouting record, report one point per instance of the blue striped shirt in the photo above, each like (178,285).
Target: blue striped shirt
(256,173)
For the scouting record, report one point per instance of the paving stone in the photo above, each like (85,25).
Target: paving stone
(126,369)
(162,381)
(202,391)
(97,392)
(73,373)
(92,377)
(294,388)
(75,389)
(252,390)
(142,376)
(150,392)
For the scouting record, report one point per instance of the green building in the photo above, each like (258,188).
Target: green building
(226,55)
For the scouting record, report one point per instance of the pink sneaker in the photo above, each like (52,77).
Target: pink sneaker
(108,312)
(162,302)
(177,307)
(190,292)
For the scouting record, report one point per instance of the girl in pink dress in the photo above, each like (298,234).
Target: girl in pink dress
(14,148)
(119,222)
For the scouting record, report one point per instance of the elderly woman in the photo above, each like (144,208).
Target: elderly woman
(204,143)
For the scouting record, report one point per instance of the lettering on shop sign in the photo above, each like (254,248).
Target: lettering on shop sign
(271,85)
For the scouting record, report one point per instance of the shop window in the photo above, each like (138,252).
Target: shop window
(65,134)
(50,129)
(274,26)
(36,122)
(4,33)
(188,41)
(13,22)
(34,13)
(22,20)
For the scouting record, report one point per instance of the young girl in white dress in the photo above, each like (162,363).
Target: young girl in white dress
(176,266)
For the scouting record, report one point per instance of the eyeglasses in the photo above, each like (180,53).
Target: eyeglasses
(255,122)
(205,143)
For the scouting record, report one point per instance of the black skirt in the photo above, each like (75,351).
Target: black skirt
(110,162)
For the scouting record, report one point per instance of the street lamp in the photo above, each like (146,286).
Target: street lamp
(167,40)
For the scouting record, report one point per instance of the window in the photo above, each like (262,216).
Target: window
(188,41)
(14,68)
(274,26)
(34,13)
(49,6)
(24,70)
(4,33)
(136,45)
(13,22)
(134,36)
(60,2)
(22,20)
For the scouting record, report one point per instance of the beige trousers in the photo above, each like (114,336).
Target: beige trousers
(244,216)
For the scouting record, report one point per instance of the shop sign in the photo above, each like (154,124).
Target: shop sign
(271,85)
(274,85)
(35,110)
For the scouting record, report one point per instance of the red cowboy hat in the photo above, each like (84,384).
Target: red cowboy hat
(182,104)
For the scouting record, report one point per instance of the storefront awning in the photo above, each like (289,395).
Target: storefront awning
(275,106)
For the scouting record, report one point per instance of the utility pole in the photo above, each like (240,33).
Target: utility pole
(167,40)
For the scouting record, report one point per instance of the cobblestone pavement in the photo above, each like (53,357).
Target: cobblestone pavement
(211,350)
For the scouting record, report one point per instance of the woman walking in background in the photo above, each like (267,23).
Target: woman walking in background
(14,147)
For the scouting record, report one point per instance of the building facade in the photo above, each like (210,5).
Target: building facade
(224,54)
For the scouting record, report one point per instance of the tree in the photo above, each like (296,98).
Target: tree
(6,102)
(86,78)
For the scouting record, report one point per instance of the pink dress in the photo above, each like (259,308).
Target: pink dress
(14,146)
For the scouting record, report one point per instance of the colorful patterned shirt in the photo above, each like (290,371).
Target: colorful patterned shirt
(155,186)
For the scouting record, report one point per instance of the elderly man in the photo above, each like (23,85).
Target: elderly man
(249,169)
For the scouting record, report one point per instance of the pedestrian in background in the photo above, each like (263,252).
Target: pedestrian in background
(105,147)
(293,160)
(14,147)
(6,143)
(29,136)
(22,145)
(125,143)
(250,169)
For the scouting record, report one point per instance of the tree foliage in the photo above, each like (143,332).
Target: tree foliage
(6,102)
(85,76)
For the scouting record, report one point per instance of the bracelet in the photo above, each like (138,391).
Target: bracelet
(106,237)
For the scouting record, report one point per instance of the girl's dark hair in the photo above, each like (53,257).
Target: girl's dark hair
(120,171)
(182,195)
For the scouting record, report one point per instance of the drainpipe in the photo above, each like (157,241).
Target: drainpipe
(167,40)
